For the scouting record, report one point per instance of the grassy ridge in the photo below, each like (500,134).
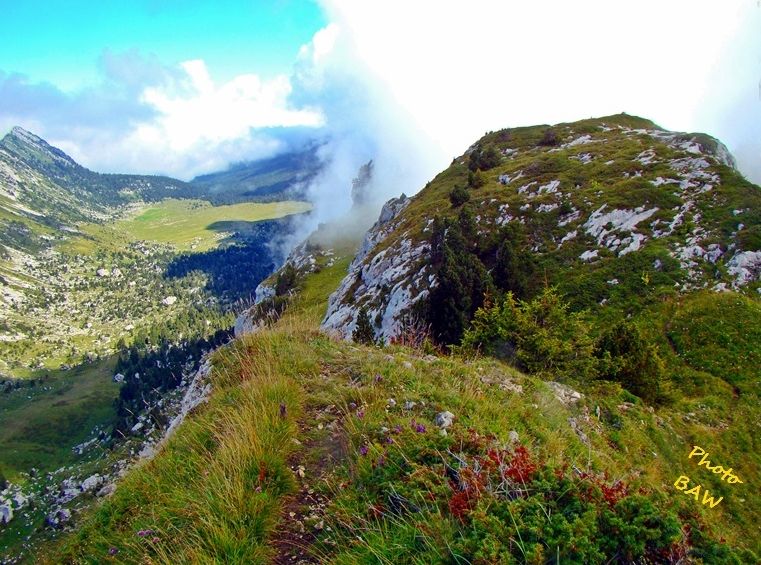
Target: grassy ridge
(220,490)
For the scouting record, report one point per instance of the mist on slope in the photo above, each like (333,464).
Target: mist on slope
(413,85)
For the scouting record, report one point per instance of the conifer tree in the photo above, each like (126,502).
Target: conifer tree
(363,332)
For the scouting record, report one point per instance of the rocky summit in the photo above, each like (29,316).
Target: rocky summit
(612,210)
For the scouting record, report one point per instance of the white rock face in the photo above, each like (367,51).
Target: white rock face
(383,227)
(388,284)
(6,513)
(263,292)
(606,228)
(91,483)
(444,420)
(565,394)
(745,267)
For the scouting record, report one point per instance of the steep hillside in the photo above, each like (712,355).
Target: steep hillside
(284,177)
(614,211)
(53,185)
(602,405)
(109,299)
(312,450)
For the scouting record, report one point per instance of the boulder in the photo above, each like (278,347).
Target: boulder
(6,513)
(58,517)
(91,483)
(444,419)
(565,394)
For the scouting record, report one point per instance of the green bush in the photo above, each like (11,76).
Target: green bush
(458,196)
(462,279)
(549,138)
(476,179)
(515,264)
(628,358)
(484,159)
(539,336)
(286,280)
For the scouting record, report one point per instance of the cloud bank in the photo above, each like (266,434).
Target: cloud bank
(149,118)
(412,84)
(461,70)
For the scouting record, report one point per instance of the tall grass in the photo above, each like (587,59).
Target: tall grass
(214,492)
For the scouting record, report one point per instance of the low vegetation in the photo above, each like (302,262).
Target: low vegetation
(346,453)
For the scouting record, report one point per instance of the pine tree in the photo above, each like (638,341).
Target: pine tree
(363,332)
(458,196)
(476,179)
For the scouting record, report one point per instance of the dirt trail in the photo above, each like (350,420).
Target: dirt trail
(302,520)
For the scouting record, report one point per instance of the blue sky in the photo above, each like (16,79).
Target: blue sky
(62,41)
(185,87)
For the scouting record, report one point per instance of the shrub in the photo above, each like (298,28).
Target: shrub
(540,336)
(550,138)
(468,496)
(3,480)
(484,159)
(458,196)
(462,279)
(515,264)
(476,179)
(628,358)
(286,280)
(363,331)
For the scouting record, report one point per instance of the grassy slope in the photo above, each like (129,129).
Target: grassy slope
(218,489)
(586,187)
(181,223)
(40,425)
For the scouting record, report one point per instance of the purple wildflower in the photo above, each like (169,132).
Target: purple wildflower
(418,427)
(397,429)
(155,539)
(113,551)
(144,533)
(363,450)
(389,440)
(378,378)
(360,414)
(381,461)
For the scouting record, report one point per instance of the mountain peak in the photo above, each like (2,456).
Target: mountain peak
(32,148)
(25,135)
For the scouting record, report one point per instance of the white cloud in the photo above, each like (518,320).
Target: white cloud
(461,69)
(146,118)
(205,114)
(199,126)
(412,84)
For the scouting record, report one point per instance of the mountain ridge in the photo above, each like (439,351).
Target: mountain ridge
(585,194)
